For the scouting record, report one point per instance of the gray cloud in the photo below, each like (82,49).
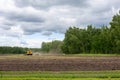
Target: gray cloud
(23,43)
(24,17)
(60,14)
(57,28)
(6,27)
(42,4)
(31,28)
(9,24)
(46,33)
(30,18)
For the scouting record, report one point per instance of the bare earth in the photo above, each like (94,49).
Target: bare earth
(50,63)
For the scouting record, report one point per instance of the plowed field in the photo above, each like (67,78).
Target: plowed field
(60,64)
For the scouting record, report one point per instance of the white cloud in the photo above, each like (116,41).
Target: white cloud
(21,19)
(9,41)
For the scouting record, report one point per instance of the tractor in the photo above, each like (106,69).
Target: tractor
(29,52)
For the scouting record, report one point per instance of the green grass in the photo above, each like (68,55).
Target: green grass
(57,56)
(92,55)
(67,75)
(61,79)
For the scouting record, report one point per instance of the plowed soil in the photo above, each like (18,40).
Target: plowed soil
(60,64)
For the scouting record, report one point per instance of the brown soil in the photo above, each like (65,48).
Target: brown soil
(61,64)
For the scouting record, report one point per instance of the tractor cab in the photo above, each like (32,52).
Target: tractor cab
(29,52)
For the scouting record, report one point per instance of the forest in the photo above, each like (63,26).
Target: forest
(12,50)
(104,39)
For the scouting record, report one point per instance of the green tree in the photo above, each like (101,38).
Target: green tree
(71,44)
(12,50)
(46,46)
(56,46)
(115,32)
(74,41)
(53,47)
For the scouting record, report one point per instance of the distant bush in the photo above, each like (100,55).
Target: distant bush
(12,50)
(52,47)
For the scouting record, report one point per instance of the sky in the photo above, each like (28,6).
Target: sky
(28,23)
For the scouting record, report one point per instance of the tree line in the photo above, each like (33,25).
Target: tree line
(12,50)
(52,47)
(17,50)
(93,40)
(89,40)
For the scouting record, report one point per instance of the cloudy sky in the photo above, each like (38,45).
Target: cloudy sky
(27,23)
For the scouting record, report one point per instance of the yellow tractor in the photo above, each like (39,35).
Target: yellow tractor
(29,52)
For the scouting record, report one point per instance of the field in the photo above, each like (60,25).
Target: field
(63,75)
(62,67)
